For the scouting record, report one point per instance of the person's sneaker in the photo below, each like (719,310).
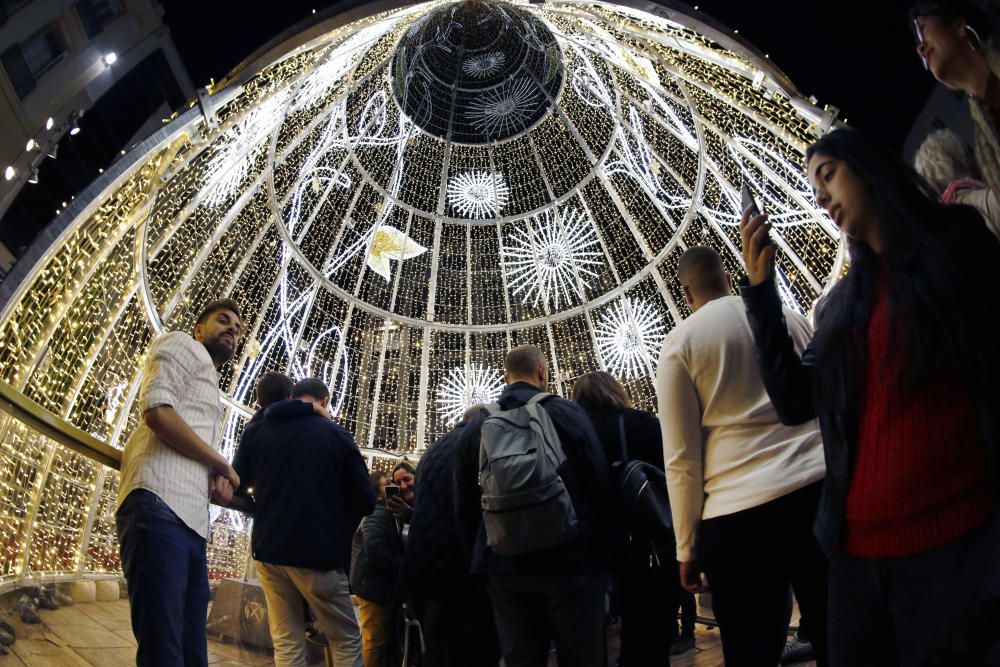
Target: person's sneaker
(682,645)
(797,650)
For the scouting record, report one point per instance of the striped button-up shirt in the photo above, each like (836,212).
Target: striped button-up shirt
(179,373)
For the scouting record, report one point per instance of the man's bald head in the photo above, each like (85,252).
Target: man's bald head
(702,276)
(526,363)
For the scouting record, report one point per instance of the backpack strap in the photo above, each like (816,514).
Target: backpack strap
(621,437)
(492,408)
(539,397)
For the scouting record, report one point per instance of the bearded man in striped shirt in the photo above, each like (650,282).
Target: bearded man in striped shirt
(170,468)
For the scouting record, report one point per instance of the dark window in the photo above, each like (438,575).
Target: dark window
(17,71)
(96,14)
(27,61)
(43,50)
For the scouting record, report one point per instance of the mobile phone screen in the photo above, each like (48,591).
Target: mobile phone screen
(748,200)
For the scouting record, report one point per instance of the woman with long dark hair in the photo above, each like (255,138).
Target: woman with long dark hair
(902,373)
(650,590)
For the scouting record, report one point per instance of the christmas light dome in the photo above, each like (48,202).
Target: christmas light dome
(396,202)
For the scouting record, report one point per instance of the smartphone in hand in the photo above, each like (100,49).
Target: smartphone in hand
(748,200)
(391,491)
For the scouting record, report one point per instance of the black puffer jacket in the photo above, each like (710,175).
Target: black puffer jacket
(376,554)
(434,565)
(585,474)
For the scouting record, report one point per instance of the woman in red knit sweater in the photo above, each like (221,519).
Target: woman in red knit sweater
(903,374)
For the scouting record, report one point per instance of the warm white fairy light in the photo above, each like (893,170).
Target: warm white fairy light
(464,387)
(231,164)
(637,161)
(478,194)
(628,338)
(551,258)
(338,64)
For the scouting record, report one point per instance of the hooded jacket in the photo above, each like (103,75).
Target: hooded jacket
(310,487)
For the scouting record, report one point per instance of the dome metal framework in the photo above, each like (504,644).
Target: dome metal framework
(395,203)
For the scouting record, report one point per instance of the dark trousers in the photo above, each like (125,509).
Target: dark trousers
(166,569)
(459,630)
(750,559)
(531,610)
(940,608)
(689,612)
(650,596)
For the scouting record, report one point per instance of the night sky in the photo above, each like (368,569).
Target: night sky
(855,55)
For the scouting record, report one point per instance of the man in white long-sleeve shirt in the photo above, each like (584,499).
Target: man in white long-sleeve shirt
(743,486)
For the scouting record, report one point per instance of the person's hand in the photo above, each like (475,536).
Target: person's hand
(221,489)
(400,508)
(321,410)
(225,469)
(691,579)
(757,257)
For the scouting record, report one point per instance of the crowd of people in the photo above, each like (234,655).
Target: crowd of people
(852,460)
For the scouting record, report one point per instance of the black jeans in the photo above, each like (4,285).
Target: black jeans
(166,568)
(459,630)
(533,609)
(689,612)
(940,608)
(650,597)
(750,559)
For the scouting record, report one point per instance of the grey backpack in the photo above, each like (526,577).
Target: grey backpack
(525,503)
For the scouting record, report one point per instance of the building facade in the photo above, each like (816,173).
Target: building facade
(57,58)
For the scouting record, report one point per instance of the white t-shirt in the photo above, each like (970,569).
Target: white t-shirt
(724,448)
(179,372)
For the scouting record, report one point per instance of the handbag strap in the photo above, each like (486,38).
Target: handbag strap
(621,437)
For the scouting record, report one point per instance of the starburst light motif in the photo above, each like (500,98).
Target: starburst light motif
(478,194)
(505,109)
(485,65)
(549,259)
(628,338)
(465,387)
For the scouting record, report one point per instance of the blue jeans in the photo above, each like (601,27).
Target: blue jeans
(167,573)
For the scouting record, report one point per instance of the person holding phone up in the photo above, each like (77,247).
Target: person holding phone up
(376,555)
(902,373)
